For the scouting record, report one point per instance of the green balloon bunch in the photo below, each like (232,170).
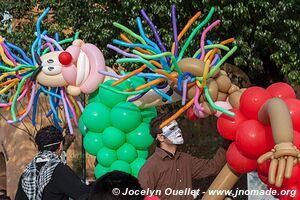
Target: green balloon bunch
(115,131)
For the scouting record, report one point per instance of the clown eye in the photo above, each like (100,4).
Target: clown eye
(172,128)
(50,61)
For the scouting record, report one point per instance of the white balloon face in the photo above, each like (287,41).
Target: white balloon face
(51,66)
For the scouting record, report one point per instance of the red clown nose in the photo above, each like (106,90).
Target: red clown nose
(65,58)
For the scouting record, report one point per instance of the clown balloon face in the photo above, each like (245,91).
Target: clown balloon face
(173,132)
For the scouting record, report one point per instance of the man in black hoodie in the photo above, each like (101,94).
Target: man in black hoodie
(47,176)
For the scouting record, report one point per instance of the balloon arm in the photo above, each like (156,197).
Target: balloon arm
(225,180)
(276,113)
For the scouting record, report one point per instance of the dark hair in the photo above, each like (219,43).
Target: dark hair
(156,122)
(104,186)
(48,135)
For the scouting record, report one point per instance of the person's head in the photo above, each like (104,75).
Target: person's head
(170,135)
(107,187)
(49,138)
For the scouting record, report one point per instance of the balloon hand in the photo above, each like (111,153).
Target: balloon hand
(283,157)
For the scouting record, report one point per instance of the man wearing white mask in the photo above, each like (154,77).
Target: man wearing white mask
(169,172)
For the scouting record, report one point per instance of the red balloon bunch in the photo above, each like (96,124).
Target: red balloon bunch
(251,137)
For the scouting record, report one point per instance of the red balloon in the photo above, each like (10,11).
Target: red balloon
(290,192)
(281,90)
(251,139)
(252,100)
(264,168)
(227,126)
(262,177)
(65,58)
(269,138)
(191,115)
(238,162)
(297,139)
(294,178)
(294,107)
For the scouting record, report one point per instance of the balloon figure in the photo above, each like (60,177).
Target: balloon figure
(61,74)
(263,124)
(116,131)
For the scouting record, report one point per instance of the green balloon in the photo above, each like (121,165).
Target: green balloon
(121,166)
(135,81)
(113,137)
(125,116)
(142,154)
(136,165)
(93,96)
(148,114)
(96,117)
(106,156)
(127,153)
(82,127)
(110,98)
(100,170)
(92,142)
(140,138)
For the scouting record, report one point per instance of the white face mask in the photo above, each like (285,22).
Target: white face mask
(173,132)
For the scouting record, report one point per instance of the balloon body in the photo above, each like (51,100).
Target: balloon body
(140,138)
(251,139)
(127,153)
(269,138)
(125,116)
(281,90)
(238,162)
(191,115)
(82,127)
(106,156)
(148,114)
(151,198)
(100,170)
(295,178)
(92,142)
(121,166)
(294,107)
(223,104)
(263,177)
(136,165)
(297,139)
(252,100)
(96,117)
(109,97)
(264,168)
(227,126)
(142,154)
(113,137)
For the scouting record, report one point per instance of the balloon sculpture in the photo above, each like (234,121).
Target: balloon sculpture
(60,74)
(116,131)
(263,124)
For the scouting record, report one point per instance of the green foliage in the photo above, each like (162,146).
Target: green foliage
(266,32)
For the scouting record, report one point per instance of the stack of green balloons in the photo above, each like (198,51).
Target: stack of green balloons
(117,132)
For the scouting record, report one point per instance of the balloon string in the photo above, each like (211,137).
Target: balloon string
(214,106)
(178,113)
(130,32)
(186,27)
(129,75)
(203,37)
(184,95)
(72,110)
(30,104)
(175,30)
(123,37)
(66,112)
(194,32)
(48,44)
(120,51)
